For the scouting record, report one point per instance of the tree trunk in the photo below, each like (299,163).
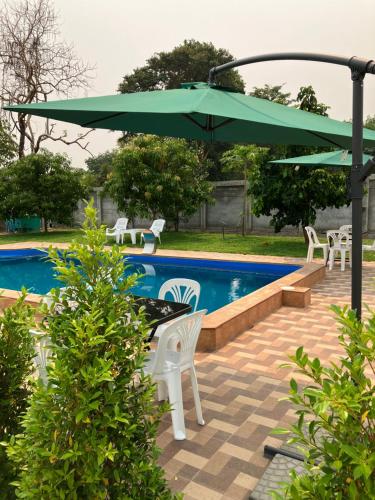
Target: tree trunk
(244,214)
(45,224)
(21,142)
(176,224)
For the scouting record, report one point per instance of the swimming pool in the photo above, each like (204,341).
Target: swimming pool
(222,282)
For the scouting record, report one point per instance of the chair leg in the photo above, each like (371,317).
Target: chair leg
(162,391)
(309,256)
(175,400)
(343,254)
(331,258)
(325,255)
(197,401)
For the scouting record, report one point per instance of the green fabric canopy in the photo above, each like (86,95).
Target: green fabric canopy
(334,158)
(200,111)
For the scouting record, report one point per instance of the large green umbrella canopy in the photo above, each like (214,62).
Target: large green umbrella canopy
(332,159)
(200,111)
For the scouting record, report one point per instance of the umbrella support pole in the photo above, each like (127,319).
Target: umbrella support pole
(357,191)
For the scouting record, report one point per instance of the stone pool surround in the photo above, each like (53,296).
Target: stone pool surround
(223,325)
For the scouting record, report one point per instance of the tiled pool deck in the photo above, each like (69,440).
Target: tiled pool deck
(240,386)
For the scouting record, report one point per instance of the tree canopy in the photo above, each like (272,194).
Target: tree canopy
(100,167)
(40,184)
(272,93)
(188,62)
(289,194)
(34,64)
(158,176)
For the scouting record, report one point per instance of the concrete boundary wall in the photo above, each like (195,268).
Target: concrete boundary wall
(228,209)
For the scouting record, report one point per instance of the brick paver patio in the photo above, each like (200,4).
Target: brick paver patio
(240,387)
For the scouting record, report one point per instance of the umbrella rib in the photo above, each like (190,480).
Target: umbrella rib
(209,128)
(225,122)
(113,115)
(202,127)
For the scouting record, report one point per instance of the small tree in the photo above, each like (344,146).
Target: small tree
(41,184)
(289,194)
(35,64)
(90,433)
(336,425)
(153,175)
(242,159)
(16,360)
(292,195)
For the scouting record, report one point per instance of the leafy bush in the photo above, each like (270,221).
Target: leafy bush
(16,355)
(90,432)
(336,426)
(158,175)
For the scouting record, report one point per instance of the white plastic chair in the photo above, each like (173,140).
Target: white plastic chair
(42,353)
(166,367)
(347,228)
(116,230)
(157,227)
(315,243)
(182,290)
(340,243)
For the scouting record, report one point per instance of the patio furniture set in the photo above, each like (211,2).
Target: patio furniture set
(120,229)
(339,241)
(177,329)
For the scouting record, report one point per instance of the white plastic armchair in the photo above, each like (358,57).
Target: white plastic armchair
(348,229)
(166,367)
(340,244)
(315,243)
(157,227)
(182,290)
(117,230)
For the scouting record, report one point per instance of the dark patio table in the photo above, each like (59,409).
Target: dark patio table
(161,311)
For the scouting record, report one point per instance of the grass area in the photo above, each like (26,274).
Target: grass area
(282,246)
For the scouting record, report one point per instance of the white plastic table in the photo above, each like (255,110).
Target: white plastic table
(133,234)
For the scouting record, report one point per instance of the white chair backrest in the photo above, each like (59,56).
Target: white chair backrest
(157,226)
(121,223)
(339,238)
(185,331)
(182,290)
(42,353)
(313,239)
(346,227)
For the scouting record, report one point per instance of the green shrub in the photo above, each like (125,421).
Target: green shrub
(16,355)
(90,433)
(336,426)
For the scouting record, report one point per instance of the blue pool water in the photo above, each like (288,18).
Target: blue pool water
(222,282)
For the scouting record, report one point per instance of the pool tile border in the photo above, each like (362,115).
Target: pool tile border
(223,325)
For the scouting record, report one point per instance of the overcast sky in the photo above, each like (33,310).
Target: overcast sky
(119,35)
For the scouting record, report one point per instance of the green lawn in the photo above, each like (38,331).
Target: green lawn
(283,246)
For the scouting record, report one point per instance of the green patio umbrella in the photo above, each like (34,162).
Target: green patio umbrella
(200,111)
(340,158)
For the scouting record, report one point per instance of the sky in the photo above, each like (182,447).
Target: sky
(116,36)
